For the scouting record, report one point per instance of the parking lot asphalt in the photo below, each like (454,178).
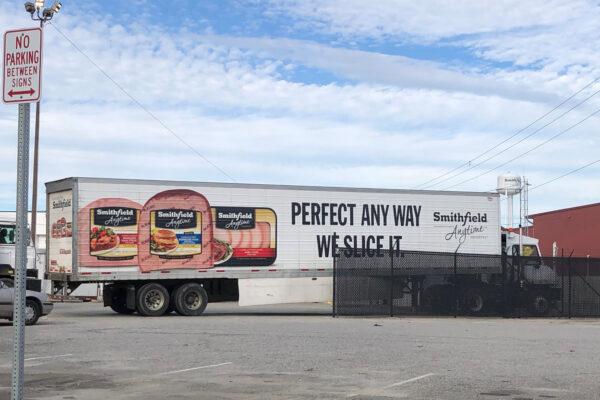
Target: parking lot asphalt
(85,351)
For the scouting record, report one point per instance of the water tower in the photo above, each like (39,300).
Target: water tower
(509,185)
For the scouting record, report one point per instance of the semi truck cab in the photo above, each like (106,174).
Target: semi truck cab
(8,237)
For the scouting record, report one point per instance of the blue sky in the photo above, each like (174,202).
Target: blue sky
(344,93)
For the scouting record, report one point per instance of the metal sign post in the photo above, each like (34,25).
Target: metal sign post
(21,254)
(21,81)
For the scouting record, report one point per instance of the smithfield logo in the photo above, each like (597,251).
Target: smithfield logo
(466,225)
(235,218)
(465,218)
(176,219)
(61,204)
(115,216)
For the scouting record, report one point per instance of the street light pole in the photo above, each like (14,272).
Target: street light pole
(46,15)
(36,145)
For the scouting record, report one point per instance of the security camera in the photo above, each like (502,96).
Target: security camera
(56,6)
(30,7)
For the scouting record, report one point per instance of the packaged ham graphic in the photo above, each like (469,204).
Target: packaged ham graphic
(244,236)
(108,233)
(176,231)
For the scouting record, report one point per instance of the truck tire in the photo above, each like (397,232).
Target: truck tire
(190,299)
(152,300)
(539,304)
(33,312)
(474,301)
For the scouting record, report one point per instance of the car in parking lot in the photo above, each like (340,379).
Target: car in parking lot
(36,303)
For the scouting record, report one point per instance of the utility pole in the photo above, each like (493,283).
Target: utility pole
(46,15)
(36,145)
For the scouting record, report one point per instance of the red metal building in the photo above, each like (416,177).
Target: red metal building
(575,229)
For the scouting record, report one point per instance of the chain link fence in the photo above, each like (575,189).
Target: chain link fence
(429,283)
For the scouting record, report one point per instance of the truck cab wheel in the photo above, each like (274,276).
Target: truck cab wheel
(539,305)
(190,299)
(474,302)
(152,300)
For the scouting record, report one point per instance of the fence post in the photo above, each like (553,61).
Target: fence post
(503,261)
(335,272)
(455,284)
(570,287)
(392,281)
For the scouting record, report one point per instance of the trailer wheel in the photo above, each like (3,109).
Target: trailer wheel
(152,300)
(539,305)
(190,299)
(474,302)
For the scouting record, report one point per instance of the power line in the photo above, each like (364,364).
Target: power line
(468,163)
(535,132)
(566,174)
(139,104)
(528,151)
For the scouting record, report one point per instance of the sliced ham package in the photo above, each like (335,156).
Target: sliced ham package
(176,231)
(109,233)
(244,236)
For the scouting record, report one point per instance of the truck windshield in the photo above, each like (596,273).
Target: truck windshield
(530,250)
(7,234)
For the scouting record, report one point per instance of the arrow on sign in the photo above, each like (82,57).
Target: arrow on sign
(29,92)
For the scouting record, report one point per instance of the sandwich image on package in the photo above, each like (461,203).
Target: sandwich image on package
(175,232)
(163,241)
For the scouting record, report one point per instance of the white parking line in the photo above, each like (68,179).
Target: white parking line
(418,378)
(195,368)
(47,357)
(381,390)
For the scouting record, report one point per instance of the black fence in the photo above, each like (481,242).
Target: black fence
(420,283)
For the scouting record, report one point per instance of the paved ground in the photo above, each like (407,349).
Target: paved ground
(83,351)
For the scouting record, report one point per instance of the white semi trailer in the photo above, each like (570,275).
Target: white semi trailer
(161,245)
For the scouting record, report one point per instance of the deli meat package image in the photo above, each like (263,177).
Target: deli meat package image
(175,231)
(109,233)
(244,236)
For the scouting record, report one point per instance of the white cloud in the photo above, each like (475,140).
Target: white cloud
(401,122)
(425,21)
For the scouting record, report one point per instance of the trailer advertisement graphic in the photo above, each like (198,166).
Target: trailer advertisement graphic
(145,227)
(60,225)
(113,233)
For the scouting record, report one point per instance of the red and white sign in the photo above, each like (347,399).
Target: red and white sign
(22,73)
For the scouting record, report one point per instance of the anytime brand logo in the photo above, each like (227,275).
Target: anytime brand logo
(175,219)
(235,218)
(115,216)
(468,224)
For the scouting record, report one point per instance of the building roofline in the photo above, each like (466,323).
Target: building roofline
(564,209)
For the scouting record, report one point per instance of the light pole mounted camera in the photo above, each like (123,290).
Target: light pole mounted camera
(38,13)
(34,8)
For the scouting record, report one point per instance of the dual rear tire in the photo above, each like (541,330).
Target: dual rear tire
(189,299)
(153,299)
